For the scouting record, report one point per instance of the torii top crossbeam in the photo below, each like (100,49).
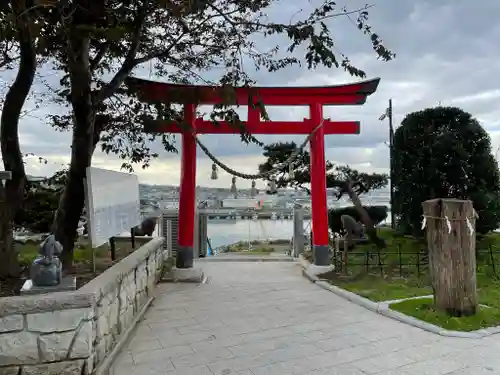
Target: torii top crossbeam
(349,94)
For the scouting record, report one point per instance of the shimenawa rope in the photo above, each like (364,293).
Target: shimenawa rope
(261,175)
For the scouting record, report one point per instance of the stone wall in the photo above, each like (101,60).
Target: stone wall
(73,332)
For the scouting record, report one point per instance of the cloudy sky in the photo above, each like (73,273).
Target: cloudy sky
(447,53)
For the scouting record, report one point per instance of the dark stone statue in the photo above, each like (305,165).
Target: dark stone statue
(146,228)
(46,268)
(351,226)
(354,231)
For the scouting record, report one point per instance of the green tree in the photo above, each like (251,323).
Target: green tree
(41,199)
(98,45)
(343,179)
(444,152)
(336,175)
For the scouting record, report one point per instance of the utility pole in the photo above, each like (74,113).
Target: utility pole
(388,114)
(391,173)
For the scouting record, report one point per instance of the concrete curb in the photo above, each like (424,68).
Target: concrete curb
(312,278)
(358,300)
(383,308)
(105,366)
(303,261)
(310,271)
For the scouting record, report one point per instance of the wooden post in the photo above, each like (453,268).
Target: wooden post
(132,237)
(346,256)
(112,247)
(452,254)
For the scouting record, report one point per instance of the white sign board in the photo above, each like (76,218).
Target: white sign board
(113,204)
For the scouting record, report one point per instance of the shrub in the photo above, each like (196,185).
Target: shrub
(376,213)
(443,152)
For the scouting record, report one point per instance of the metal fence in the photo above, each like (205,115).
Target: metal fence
(403,263)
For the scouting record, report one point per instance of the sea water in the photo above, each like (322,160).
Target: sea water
(222,234)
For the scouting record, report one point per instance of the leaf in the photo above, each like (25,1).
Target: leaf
(443,152)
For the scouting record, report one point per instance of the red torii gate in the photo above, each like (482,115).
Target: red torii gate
(314,97)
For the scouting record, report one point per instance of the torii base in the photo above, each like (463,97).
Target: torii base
(322,255)
(187,275)
(184,258)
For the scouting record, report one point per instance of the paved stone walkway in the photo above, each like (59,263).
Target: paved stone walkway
(264,318)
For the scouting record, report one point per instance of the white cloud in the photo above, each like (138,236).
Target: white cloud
(446,53)
(484,96)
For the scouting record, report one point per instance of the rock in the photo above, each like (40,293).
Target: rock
(11,370)
(126,317)
(54,346)
(18,348)
(107,323)
(82,345)
(58,368)
(57,321)
(11,323)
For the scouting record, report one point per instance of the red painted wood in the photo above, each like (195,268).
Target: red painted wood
(187,191)
(349,94)
(258,127)
(314,97)
(318,181)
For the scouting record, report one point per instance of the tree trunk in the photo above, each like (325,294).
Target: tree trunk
(9,265)
(73,197)
(12,194)
(86,133)
(452,255)
(71,203)
(370,229)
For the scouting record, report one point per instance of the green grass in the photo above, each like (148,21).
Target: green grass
(398,283)
(167,265)
(262,249)
(393,283)
(256,251)
(257,247)
(423,309)
(488,290)
(28,252)
(379,289)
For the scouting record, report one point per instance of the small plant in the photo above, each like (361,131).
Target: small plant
(167,266)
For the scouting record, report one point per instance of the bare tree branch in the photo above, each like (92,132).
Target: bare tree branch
(159,54)
(103,48)
(8,60)
(129,64)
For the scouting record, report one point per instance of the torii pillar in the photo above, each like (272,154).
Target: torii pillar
(321,248)
(187,193)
